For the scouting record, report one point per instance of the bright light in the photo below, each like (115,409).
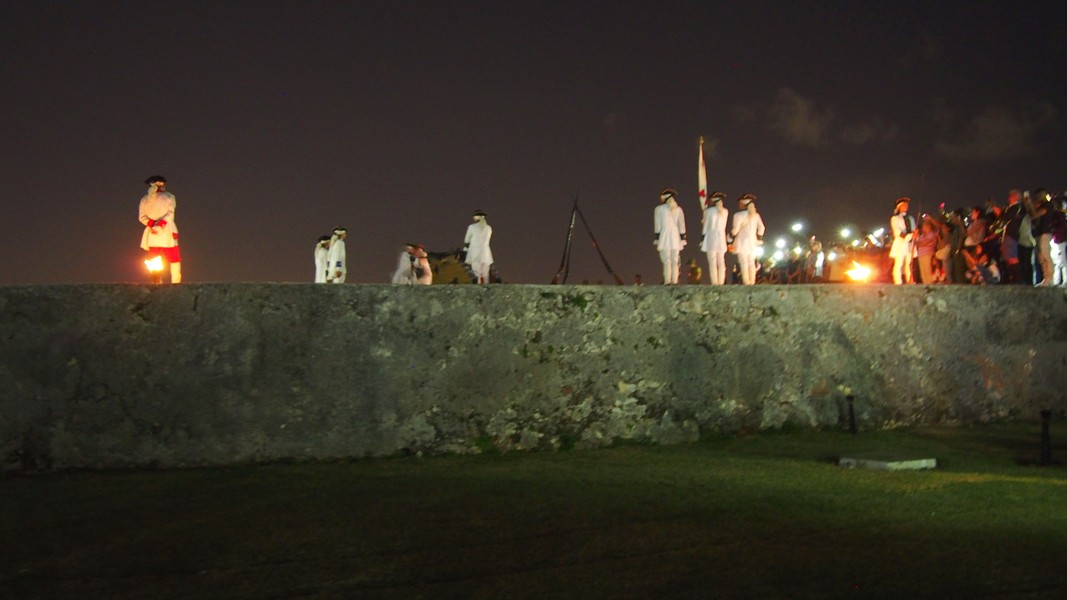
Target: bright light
(759,252)
(779,255)
(846,233)
(797,227)
(858,272)
(879,232)
(779,243)
(831,256)
(855,243)
(797,250)
(154,264)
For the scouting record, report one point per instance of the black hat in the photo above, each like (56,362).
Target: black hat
(717,197)
(747,199)
(324,238)
(668,193)
(154,179)
(901,200)
(479,213)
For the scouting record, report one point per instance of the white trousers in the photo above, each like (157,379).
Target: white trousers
(747,262)
(672,265)
(481,271)
(717,267)
(902,270)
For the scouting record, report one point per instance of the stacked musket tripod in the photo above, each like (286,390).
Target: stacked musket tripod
(565,263)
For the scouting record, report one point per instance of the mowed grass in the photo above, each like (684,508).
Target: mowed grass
(768,516)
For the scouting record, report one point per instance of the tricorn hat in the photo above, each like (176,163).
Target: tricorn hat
(154,179)
(717,197)
(747,199)
(901,200)
(668,193)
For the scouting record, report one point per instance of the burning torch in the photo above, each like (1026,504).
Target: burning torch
(155,268)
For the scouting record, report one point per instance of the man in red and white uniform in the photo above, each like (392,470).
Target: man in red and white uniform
(160,237)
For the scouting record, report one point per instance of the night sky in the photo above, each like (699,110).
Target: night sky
(275,121)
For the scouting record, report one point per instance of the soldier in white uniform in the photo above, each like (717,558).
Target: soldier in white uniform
(747,232)
(337,269)
(713,240)
(476,246)
(902,225)
(413,268)
(160,236)
(669,227)
(322,253)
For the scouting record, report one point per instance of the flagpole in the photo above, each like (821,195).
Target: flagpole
(702,181)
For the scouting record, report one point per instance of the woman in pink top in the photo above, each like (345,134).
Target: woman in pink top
(925,246)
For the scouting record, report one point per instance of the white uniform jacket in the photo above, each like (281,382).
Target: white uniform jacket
(321,256)
(669,226)
(158,206)
(477,243)
(903,237)
(715,218)
(336,262)
(748,228)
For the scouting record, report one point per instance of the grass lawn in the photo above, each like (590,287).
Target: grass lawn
(768,516)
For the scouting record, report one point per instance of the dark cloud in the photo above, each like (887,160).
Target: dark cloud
(998,133)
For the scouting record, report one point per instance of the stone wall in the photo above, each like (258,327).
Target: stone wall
(105,376)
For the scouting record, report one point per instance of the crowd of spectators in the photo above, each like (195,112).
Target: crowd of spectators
(1022,243)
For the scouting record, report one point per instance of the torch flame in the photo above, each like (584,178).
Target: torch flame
(858,272)
(154,264)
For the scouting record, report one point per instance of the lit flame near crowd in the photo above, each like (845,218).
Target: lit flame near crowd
(858,272)
(155,264)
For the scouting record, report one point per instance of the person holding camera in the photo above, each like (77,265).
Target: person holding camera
(413,268)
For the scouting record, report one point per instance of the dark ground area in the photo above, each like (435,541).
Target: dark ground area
(768,516)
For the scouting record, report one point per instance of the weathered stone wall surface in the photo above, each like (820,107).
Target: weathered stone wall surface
(104,376)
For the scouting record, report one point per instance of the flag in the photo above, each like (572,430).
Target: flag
(702,178)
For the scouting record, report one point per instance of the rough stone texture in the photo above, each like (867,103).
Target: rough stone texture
(106,376)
